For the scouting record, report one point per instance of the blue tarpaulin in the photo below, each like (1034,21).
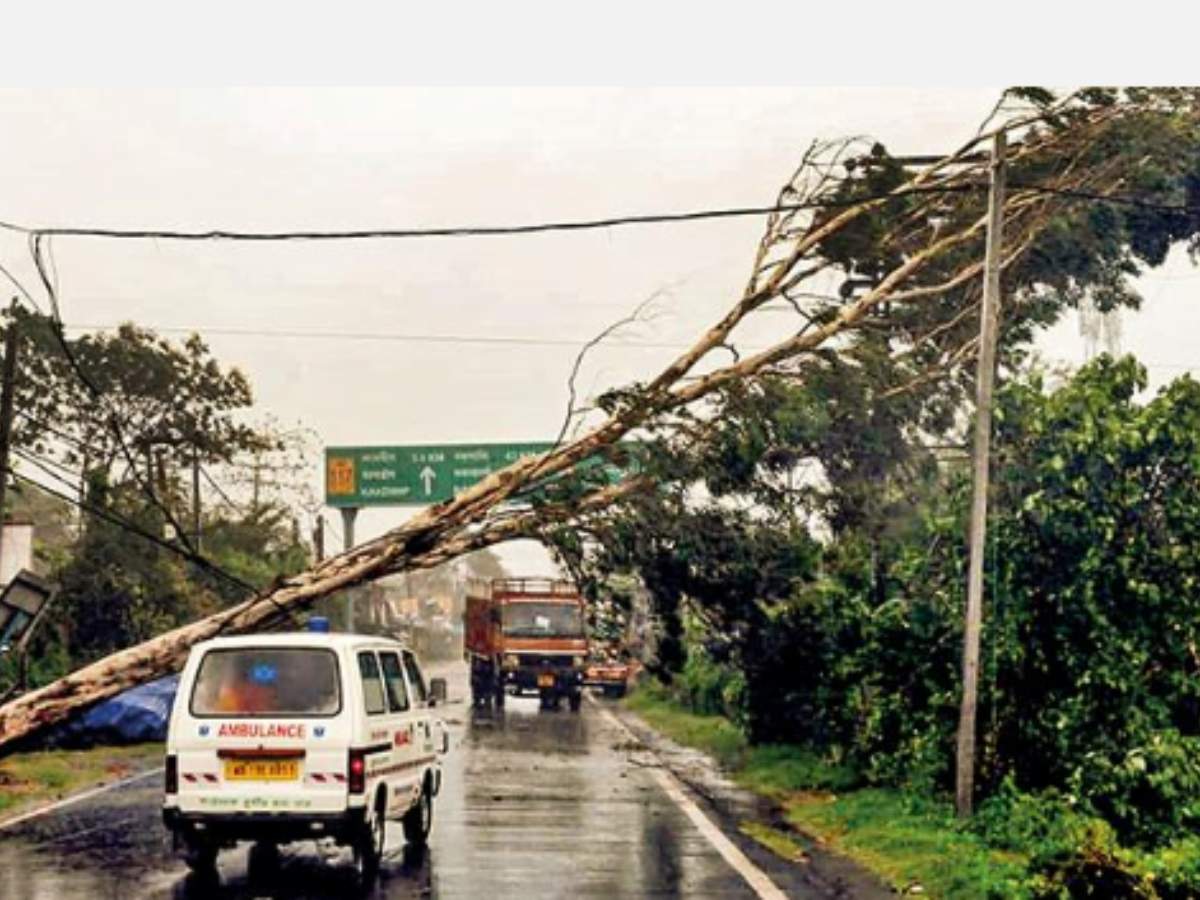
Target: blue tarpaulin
(139,714)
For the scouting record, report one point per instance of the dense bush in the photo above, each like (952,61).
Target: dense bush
(1090,680)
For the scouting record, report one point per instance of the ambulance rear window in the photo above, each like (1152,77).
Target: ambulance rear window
(267,681)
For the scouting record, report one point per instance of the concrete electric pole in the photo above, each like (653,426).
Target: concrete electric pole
(6,413)
(989,316)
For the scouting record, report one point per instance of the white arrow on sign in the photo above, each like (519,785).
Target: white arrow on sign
(427,476)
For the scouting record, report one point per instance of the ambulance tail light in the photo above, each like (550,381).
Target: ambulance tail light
(356,773)
(171,774)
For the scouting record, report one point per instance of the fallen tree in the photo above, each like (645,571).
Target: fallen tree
(930,223)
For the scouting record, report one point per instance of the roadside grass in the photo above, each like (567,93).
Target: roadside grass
(907,840)
(713,735)
(776,840)
(29,780)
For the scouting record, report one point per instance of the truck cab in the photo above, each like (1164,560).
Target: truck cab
(525,635)
(287,737)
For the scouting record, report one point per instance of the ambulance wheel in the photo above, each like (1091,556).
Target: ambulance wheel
(419,819)
(576,700)
(200,856)
(263,862)
(368,847)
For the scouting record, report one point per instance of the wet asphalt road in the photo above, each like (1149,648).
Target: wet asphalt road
(534,804)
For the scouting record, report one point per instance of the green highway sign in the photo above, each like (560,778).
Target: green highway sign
(413,475)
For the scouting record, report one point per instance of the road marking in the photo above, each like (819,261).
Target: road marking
(763,886)
(76,798)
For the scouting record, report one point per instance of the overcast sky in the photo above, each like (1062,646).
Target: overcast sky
(340,158)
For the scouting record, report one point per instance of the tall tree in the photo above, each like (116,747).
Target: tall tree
(161,405)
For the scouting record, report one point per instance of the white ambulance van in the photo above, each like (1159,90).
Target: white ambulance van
(303,736)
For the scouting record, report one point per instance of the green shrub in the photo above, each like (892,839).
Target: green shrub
(1151,793)
(708,688)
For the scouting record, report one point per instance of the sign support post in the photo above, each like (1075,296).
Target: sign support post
(349,513)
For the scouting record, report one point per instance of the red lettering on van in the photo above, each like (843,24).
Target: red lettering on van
(261,730)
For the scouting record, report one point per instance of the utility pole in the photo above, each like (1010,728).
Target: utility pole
(965,775)
(257,481)
(6,413)
(196,498)
(349,514)
(319,538)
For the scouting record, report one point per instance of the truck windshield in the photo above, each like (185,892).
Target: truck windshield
(267,681)
(543,620)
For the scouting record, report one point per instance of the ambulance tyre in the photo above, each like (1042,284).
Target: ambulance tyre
(263,862)
(575,699)
(419,819)
(368,845)
(200,856)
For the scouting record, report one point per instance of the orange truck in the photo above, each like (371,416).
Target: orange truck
(525,635)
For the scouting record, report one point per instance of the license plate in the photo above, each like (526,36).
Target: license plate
(262,770)
(545,681)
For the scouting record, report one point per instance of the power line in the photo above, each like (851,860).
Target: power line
(20,287)
(123,523)
(455,231)
(382,336)
(1115,199)
(132,528)
(220,490)
(189,552)
(222,234)
(50,284)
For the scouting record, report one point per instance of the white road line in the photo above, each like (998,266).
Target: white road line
(77,798)
(763,886)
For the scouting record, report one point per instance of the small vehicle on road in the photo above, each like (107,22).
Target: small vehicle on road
(301,736)
(609,675)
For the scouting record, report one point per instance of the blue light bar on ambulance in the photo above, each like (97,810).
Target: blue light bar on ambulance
(318,624)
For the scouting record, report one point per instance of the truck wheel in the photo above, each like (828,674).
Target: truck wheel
(576,700)
(419,819)
(200,855)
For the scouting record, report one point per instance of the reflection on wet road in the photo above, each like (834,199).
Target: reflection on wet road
(534,804)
